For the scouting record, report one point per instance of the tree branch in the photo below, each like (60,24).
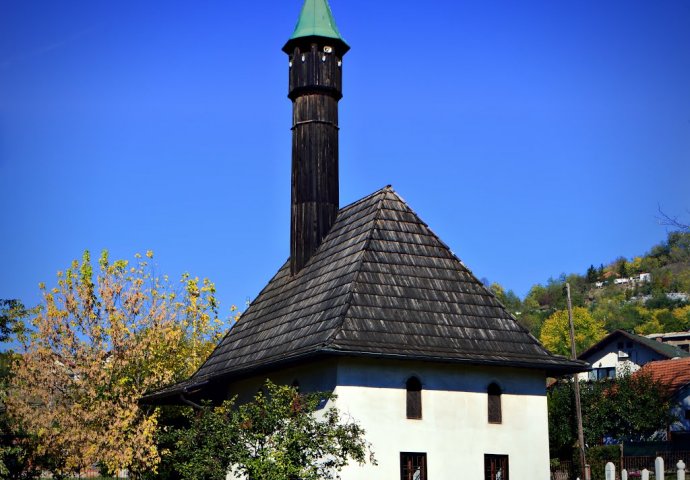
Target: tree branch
(667,220)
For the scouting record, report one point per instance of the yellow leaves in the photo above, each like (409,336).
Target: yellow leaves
(555,332)
(119,266)
(97,346)
(103,260)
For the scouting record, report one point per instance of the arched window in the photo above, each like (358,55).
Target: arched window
(494,392)
(414,398)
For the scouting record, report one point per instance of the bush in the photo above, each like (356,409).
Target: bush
(599,456)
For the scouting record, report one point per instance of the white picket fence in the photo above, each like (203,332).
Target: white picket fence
(659,471)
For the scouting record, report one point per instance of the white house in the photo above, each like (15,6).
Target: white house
(621,352)
(374,307)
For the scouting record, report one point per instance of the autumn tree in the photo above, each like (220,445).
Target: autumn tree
(99,341)
(280,435)
(555,333)
(14,456)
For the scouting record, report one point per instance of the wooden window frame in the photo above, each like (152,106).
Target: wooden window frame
(490,463)
(410,462)
(495,407)
(413,398)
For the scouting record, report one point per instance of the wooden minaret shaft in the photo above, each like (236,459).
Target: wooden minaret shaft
(315,89)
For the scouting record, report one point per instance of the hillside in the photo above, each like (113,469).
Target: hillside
(644,294)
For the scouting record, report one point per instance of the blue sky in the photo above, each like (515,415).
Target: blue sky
(534,137)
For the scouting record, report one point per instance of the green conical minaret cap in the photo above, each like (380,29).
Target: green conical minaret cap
(316,20)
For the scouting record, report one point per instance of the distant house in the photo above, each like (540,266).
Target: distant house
(634,280)
(645,277)
(677,339)
(676,374)
(621,352)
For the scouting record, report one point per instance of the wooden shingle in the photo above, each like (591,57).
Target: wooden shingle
(381,284)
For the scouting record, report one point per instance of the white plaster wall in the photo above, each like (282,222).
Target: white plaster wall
(608,357)
(454,431)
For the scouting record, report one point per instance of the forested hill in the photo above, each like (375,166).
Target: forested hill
(645,294)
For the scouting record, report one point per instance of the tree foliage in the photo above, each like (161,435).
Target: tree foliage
(616,304)
(555,333)
(12,316)
(15,456)
(633,407)
(99,341)
(281,435)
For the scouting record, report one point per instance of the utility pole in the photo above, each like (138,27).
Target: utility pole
(576,385)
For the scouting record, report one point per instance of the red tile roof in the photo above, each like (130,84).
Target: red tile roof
(675,373)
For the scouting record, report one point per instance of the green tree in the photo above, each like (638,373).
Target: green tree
(12,317)
(562,419)
(509,299)
(622,268)
(281,435)
(555,333)
(592,275)
(632,407)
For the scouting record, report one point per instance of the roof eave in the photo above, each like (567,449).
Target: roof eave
(341,47)
(562,366)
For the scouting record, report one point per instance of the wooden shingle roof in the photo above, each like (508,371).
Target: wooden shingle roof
(381,284)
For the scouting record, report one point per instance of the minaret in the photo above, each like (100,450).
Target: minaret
(316,50)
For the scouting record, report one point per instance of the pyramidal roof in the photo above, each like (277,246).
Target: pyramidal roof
(316,20)
(381,284)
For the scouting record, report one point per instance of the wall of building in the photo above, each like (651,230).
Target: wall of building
(318,376)
(608,357)
(454,431)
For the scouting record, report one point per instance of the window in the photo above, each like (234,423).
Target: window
(495,467)
(494,392)
(414,398)
(412,466)
(603,373)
